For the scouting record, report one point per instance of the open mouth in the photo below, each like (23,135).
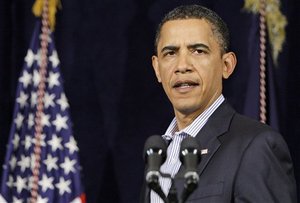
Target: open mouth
(185,84)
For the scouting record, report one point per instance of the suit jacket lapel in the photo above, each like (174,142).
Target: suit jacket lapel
(208,137)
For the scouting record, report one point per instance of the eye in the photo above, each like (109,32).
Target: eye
(169,53)
(199,51)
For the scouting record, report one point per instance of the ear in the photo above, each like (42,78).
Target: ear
(229,60)
(156,67)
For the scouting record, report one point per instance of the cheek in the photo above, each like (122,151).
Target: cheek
(166,77)
(165,73)
(210,78)
(215,81)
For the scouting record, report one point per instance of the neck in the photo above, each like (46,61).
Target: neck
(184,120)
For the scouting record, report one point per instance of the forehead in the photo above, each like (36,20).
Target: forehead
(186,30)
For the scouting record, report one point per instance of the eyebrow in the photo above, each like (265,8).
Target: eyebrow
(170,48)
(198,45)
(191,46)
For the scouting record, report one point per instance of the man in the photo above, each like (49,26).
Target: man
(243,160)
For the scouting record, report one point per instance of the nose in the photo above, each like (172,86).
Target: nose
(183,65)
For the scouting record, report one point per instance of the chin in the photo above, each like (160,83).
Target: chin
(186,109)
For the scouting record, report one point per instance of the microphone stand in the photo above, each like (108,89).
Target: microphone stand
(190,185)
(172,197)
(155,186)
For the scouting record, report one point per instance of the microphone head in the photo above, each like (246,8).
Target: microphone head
(155,144)
(190,147)
(190,155)
(154,154)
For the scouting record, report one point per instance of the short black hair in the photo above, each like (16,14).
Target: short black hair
(219,27)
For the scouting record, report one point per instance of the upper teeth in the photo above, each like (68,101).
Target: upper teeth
(184,85)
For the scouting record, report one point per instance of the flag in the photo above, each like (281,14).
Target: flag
(266,43)
(59,169)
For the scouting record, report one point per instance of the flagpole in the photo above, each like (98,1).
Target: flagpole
(40,100)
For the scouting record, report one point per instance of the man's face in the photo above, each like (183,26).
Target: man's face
(189,64)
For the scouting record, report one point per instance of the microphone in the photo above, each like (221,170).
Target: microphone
(154,155)
(190,156)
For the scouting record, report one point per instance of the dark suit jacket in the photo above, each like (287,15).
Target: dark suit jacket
(246,162)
